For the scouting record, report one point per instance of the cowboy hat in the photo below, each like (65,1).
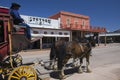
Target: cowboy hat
(15,5)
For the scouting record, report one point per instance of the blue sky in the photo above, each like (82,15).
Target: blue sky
(103,13)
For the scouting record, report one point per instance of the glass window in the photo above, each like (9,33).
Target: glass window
(1,31)
(83,23)
(47,41)
(76,21)
(68,22)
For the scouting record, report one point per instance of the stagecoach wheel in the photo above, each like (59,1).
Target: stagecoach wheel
(23,73)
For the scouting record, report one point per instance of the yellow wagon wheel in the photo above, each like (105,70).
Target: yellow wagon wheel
(23,73)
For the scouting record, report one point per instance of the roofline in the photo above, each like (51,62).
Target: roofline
(4,7)
(71,14)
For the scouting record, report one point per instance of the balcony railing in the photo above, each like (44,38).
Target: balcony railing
(82,28)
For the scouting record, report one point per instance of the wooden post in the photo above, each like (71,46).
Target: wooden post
(81,34)
(70,38)
(98,39)
(41,43)
(105,39)
(56,39)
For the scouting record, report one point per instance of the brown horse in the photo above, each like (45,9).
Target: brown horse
(76,51)
(56,51)
(63,51)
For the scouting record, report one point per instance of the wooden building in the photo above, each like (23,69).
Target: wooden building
(79,25)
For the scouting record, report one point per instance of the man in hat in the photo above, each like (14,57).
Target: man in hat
(17,20)
(15,14)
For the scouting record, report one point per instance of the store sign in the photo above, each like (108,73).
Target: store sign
(39,20)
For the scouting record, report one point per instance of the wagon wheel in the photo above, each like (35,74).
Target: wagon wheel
(23,73)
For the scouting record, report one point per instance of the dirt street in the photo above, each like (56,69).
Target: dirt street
(104,63)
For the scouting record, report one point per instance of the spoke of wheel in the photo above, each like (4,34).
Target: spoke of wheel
(15,77)
(30,75)
(19,71)
(31,78)
(17,74)
(26,73)
(24,70)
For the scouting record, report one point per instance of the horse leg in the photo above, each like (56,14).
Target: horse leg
(55,64)
(65,60)
(61,74)
(87,63)
(60,69)
(79,68)
(51,64)
(73,63)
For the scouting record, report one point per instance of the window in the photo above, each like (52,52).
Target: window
(47,42)
(35,32)
(45,32)
(83,23)
(65,33)
(52,32)
(1,31)
(60,33)
(76,22)
(68,22)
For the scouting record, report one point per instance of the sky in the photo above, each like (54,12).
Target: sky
(102,13)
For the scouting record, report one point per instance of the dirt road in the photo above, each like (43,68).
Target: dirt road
(104,63)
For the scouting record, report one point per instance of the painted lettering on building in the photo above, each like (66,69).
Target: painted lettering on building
(39,20)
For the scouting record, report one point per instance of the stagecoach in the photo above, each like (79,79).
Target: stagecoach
(13,40)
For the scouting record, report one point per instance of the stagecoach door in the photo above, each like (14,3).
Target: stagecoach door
(3,41)
(1,32)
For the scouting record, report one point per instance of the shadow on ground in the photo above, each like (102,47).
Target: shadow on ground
(67,72)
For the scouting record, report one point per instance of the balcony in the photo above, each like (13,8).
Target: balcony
(82,28)
(97,29)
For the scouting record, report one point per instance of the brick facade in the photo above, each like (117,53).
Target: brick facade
(75,22)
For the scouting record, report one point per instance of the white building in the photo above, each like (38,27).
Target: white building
(47,30)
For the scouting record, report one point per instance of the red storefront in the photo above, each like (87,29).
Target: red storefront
(79,25)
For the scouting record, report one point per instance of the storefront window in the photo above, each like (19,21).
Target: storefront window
(47,42)
(1,32)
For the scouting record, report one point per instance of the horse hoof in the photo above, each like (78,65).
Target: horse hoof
(62,77)
(54,68)
(88,71)
(48,67)
(80,72)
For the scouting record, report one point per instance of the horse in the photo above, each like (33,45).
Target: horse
(63,51)
(55,53)
(76,50)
